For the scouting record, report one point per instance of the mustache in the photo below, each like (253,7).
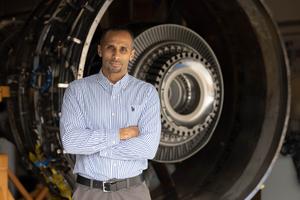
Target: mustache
(115,62)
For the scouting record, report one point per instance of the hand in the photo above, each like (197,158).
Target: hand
(129,132)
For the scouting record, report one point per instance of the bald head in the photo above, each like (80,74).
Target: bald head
(116,29)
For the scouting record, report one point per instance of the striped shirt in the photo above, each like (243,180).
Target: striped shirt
(92,113)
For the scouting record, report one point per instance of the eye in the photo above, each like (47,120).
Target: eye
(110,47)
(123,50)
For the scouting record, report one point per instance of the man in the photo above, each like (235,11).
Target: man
(111,122)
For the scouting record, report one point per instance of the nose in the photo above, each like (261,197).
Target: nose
(116,54)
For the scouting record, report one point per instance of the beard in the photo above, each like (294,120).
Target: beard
(115,70)
(111,68)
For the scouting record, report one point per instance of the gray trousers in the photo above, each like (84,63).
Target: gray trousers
(139,192)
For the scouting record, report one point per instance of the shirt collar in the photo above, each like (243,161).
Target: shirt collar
(122,83)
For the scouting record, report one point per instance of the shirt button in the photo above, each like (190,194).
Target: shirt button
(115,164)
(113,114)
(114,142)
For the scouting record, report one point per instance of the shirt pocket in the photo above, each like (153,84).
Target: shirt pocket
(134,113)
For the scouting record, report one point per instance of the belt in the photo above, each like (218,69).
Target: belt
(111,185)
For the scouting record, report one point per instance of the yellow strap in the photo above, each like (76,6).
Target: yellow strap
(4,92)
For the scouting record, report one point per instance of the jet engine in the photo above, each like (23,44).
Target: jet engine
(219,67)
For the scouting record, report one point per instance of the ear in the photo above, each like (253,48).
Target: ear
(99,50)
(132,54)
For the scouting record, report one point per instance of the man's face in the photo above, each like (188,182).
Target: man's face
(116,50)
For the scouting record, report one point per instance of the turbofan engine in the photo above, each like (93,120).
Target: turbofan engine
(220,70)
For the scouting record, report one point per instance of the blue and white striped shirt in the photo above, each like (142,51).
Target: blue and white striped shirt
(92,113)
